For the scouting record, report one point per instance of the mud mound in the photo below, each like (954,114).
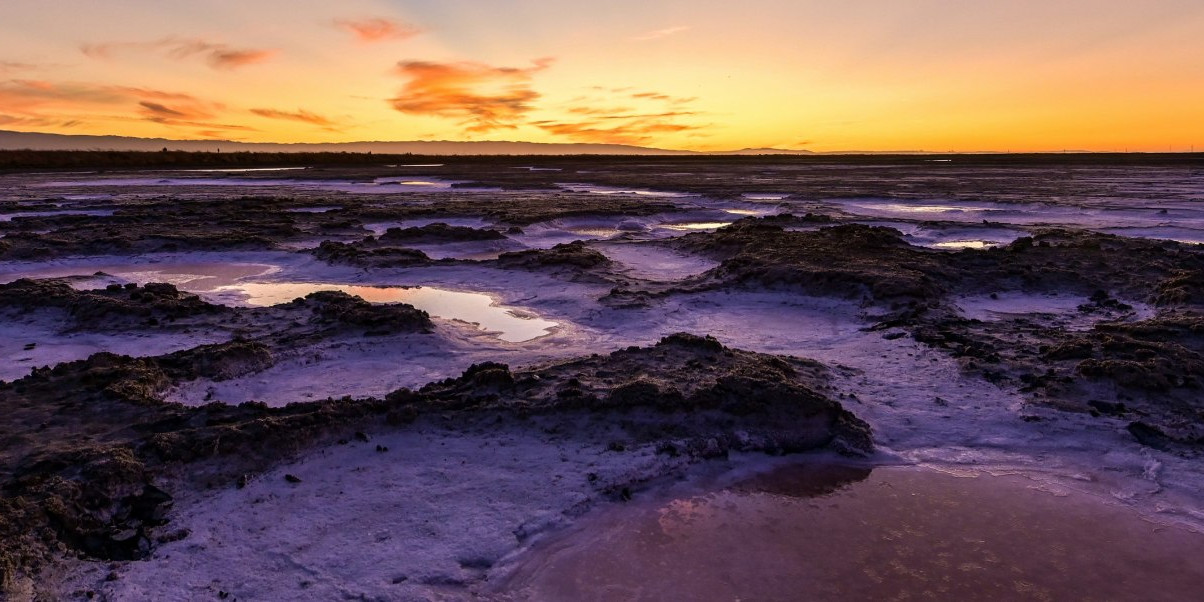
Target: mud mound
(686,388)
(850,261)
(112,307)
(369,255)
(439,233)
(103,494)
(338,309)
(566,255)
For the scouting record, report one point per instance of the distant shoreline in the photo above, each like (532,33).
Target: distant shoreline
(173,159)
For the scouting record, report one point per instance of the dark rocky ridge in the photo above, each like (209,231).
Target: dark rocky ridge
(103,493)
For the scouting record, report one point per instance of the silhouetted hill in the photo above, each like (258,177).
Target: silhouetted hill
(10,140)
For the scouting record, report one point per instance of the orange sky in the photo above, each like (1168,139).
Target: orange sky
(939,75)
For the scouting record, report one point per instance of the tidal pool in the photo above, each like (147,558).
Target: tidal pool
(832,532)
(511,324)
(695,226)
(964,244)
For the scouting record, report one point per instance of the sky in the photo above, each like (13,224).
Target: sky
(876,75)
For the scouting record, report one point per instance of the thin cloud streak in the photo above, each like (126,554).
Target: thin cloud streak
(216,54)
(661,33)
(36,103)
(660,114)
(378,29)
(299,115)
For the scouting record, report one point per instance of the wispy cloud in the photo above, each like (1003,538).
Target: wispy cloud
(378,29)
(597,120)
(37,103)
(661,33)
(216,54)
(482,97)
(15,66)
(299,115)
(162,113)
(677,100)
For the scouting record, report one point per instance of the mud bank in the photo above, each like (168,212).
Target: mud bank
(104,496)
(394,380)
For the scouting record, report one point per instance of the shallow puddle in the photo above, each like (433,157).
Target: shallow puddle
(512,325)
(958,245)
(376,186)
(1067,310)
(695,226)
(831,532)
(244,169)
(656,263)
(312,209)
(609,190)
(379,228)
(8,217)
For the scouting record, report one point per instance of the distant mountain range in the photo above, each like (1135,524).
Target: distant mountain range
(10,140)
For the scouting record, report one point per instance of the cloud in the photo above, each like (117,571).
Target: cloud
(161,113)
(233,59)
(27,97)
(659,114)
(482,97)
(660,33)
(216,54)
(299,115)
(42,122)
(378,29)
(679,100)
(14,66)
(38,103)
(631,132)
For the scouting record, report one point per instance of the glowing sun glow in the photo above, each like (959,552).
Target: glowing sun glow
(937,75)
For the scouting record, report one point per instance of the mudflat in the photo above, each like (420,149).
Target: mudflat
(468,377)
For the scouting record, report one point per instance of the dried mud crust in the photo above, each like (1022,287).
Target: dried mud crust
(114,307)
(1148,372)
(573,260)
(90,448)
(439,233)
(215,220)
(877,264)
(162,306)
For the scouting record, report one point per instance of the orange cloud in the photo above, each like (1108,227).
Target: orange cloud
(624,125)
(216,54)
(483,97)
(632,132)
(299,115)
(35,103)
(660,33)
(664,97)
(378,29)
(232,59)
(30,96)
(161,113)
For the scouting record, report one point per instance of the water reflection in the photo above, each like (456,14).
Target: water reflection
(511,324)
(815,532)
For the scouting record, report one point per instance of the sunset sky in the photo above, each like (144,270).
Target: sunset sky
(684,74)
